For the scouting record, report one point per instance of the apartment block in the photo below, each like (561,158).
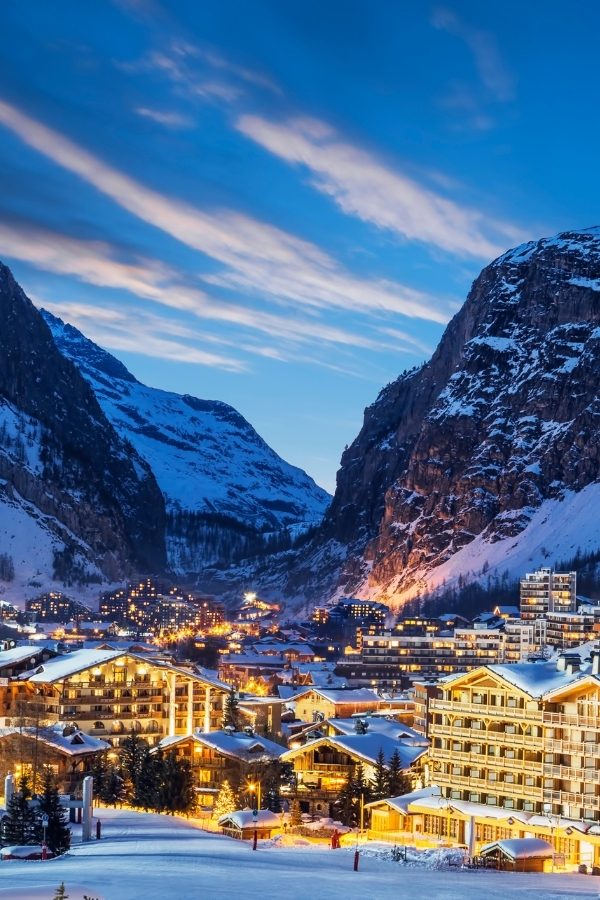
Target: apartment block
(546,591)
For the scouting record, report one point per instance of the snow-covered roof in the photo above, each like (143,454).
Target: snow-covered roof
(377,725)
(364,747)
(236,744)
(401,803)
(60,736)
(245,818)
(71,663)
(335,695)
(535,679)
(254,659)
(18,654)
(520,848)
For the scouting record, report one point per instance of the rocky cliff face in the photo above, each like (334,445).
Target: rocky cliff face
(227,493)
(75,499)
(465,463)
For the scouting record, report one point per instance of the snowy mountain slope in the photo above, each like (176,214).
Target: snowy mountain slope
(207,459)
(76,504)
(476,458)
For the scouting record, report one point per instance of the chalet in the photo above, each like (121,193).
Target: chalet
(238,757)
(69,752)
(322,766)
(327,703)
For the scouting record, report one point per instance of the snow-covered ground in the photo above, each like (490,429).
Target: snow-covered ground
(151,857)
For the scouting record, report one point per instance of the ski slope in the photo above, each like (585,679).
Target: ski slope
(151,857)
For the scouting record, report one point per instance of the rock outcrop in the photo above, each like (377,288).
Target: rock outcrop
(469,450)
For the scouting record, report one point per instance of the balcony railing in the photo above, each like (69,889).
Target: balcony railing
(592,723)
(482,759)
(496,737)
(573,773)
(508,713)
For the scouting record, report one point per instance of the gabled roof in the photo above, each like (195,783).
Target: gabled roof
(76,661)
(245,818)
(19,654)
(376,725)
(235,745)
(364,748)
(335,695)
(401,803)
(62,737)
(520,848)
(70,664)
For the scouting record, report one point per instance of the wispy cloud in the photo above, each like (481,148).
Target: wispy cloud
(364,186)
(164,117)
(259,258)
(135,332)
(493,73)
(99,263)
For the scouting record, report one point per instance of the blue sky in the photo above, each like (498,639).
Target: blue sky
(281,204)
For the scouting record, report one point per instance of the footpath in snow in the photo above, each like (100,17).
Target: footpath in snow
(143,856)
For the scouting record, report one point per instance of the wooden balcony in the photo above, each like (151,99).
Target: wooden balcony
(591,723)
(491,762)
(482,710)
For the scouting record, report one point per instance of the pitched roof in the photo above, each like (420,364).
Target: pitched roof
(521,848)
(340,695)
(245,818)
(401,803)
(365,748)
(61,737)
(236,744)
(19,654)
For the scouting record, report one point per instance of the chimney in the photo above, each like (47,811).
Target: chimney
(569,663)
(595,655)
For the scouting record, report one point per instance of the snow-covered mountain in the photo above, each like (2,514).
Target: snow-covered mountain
(485,460)
(76,502)
(225,489)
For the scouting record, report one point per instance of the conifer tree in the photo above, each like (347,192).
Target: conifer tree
(177,785)
(398,781)
(380,781)
(61,893)
(132,754)
(147,787)
(346,802)
(231,712)
(113,789)
(226,801)
(99,772)
(58,833)
(295,813)
(20,824)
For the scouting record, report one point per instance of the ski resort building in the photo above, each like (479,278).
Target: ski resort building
(547,591)
(517,745)
(109,693)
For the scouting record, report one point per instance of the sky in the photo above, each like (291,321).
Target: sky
(281,204)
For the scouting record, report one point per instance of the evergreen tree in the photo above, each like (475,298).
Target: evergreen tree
(58,834)
(398,782)
(147,786)
(99,772)
(132,754)
(225,802)
(113,789)
(20,824)
(380,781)
(295,813)
(345,804)
(177,785)
(61,893)
(231,712)
(355,792)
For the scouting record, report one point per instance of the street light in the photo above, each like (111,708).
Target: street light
(255,788)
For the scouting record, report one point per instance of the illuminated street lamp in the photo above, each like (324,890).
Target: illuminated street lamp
(255,788)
